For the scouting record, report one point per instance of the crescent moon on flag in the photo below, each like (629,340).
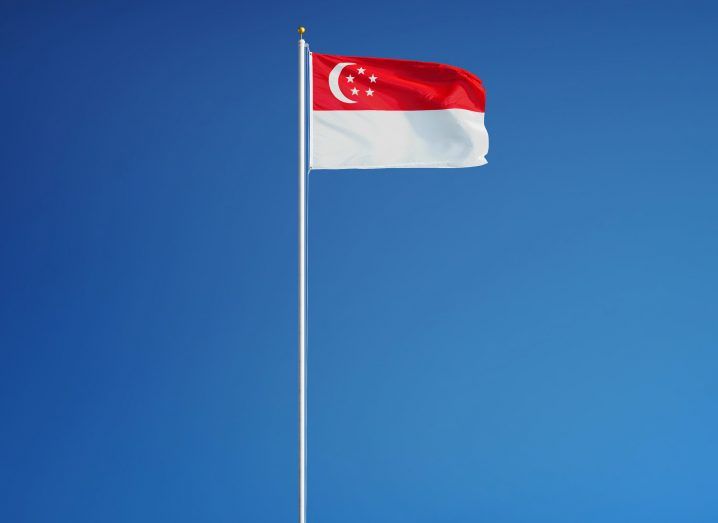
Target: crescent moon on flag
(334,83)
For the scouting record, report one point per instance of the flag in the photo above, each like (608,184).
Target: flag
(372,113)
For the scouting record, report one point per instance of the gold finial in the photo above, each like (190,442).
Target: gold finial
(301,30)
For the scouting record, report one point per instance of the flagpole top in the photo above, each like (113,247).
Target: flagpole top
(301,30)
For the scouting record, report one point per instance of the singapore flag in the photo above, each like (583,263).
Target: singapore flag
(371,113)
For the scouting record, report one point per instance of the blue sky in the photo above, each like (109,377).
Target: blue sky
(530,341)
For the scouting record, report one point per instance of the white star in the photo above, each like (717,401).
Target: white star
(372,79)
(355,91)
(350,79)
(360,70)
(369,92)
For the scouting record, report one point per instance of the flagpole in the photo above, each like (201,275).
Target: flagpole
(302,285)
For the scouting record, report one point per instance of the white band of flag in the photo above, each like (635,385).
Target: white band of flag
(379,139)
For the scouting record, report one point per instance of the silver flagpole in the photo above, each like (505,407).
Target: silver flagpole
(302,286)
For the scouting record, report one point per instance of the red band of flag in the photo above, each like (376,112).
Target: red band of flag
(353,83)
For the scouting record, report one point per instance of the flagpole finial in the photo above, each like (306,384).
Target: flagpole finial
(301,30)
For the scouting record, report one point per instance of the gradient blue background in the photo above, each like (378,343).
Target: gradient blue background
(532,341)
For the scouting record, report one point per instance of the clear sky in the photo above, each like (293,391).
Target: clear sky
(535,340)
